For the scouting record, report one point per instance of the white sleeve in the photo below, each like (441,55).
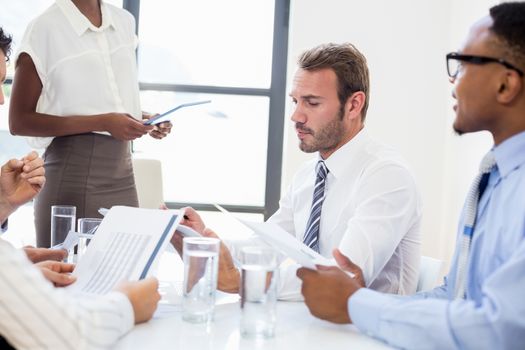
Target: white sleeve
(33,45)
(284,215)
(289,286)
(35,315)
(388,205)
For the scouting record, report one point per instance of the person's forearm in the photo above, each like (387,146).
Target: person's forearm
(44,125)
(57,318)
(402,321)
(408,322)
(24,119)
(5,209)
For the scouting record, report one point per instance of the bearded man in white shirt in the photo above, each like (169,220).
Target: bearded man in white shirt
(366,202)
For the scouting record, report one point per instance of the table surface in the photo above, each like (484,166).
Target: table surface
(296,327)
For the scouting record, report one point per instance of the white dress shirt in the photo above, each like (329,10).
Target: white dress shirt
(371,212)
(36,315)
(84,70)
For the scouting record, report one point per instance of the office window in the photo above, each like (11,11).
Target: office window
(211,148)
(206,42)
(233,53)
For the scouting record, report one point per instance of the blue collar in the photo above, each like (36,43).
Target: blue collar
(510,154)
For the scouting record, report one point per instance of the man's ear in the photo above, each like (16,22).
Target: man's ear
(511,87)
(354,104)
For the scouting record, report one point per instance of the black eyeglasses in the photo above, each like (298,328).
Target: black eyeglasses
(454,61)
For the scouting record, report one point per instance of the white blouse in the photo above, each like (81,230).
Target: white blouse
(84,70)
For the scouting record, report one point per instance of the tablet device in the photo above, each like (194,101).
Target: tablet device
(164,116)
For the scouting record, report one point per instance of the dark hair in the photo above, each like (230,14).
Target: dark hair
(5,43)
(348,64)
(509,27)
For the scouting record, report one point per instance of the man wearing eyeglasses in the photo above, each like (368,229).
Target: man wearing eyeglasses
(481,304)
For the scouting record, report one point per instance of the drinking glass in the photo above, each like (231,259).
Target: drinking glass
(86,229)
(258,292)
(62,221)
(201,263)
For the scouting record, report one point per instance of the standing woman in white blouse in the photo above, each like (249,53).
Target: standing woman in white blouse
(76,94)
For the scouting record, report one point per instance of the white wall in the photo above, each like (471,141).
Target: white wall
(405,43)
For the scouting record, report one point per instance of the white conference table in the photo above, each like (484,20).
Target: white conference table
(296,327)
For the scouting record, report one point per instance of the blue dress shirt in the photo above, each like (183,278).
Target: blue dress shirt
(493,314)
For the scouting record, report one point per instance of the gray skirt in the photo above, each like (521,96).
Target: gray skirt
(88,171)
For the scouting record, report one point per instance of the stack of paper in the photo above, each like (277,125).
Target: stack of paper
(126,246)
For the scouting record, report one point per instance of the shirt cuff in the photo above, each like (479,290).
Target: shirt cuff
(364,308)
(125,308)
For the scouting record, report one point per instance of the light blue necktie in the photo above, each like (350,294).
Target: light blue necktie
(476,191)
(311,235)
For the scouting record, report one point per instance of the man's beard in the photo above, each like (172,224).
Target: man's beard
(325,139)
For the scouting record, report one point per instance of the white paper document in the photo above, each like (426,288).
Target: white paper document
(70,241)
(283,241)
(288,244)
(126,246)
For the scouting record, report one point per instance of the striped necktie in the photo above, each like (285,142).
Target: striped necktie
(311,235)
(471,207)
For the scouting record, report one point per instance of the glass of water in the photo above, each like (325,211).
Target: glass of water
(201,263)
(258,291)
(62,221)
(86,230)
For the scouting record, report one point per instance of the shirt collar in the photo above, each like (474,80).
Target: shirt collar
(510,154)
(339,160)
(79,22)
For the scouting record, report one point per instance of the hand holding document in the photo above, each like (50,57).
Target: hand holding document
(187,231)
(283,241)
(127,244)
(166,115)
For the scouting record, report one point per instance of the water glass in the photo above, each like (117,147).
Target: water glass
(258,292)
(201,264)
(62,221)
(86,230)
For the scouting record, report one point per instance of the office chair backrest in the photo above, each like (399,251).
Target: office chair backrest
(148,179)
